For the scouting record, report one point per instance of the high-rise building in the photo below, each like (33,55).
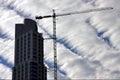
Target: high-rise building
(29,57)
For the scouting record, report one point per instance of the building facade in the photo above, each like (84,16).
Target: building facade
(29,57)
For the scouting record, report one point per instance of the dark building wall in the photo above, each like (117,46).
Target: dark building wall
(29,57)
(23,28)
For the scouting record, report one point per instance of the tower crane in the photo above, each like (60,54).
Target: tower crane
(54,15)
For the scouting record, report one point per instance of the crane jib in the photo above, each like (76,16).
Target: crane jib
(76,12)
(86,11)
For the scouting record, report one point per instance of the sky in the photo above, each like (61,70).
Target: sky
(88,45)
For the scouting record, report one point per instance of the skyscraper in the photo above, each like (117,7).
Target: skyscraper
(29,62)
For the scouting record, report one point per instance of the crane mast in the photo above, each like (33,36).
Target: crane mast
(54,45)
(54,15)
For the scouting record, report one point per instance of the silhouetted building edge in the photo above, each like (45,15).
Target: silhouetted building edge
(29,54)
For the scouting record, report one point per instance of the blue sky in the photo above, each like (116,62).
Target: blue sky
(88,44)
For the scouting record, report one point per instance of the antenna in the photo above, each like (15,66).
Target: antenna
(54,29)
